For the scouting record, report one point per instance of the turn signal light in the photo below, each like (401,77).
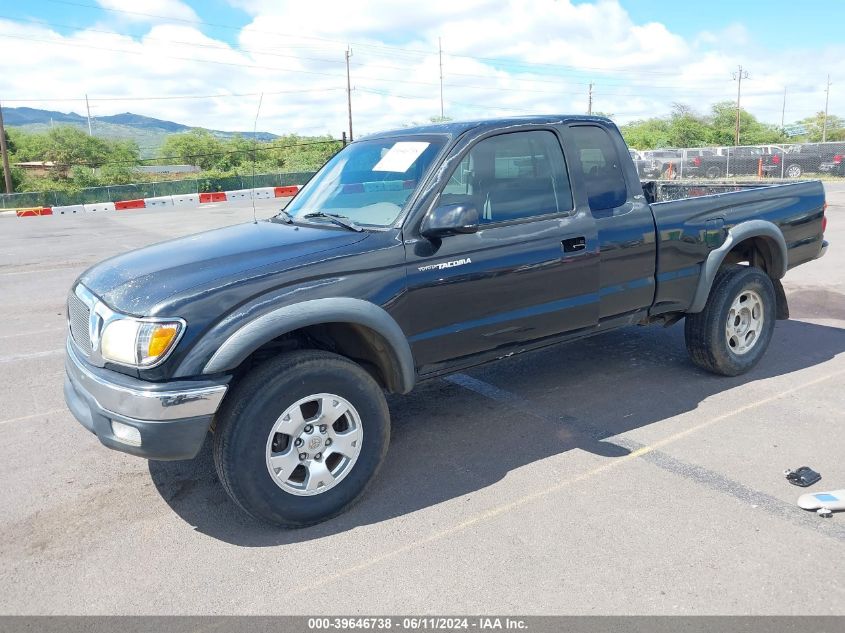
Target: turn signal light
(160,340)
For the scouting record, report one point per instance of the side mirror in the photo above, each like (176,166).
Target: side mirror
(450,219)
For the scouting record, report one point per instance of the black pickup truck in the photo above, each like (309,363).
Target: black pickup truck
(409,255)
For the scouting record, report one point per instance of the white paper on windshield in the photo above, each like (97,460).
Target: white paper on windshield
(401,156)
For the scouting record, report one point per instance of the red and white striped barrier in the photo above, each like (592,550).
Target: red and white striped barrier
(180,200)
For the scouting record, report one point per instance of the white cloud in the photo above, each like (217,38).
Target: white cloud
(500,57)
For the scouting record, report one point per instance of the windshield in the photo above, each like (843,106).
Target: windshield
(368,181)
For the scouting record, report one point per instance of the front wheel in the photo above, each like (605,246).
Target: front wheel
(731,334)
(300,437)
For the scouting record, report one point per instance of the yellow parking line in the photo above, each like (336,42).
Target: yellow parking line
(34,415)
(516,503)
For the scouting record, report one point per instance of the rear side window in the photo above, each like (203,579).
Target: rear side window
(600,166)
(511,177)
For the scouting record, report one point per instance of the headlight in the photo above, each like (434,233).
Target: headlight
(137,342)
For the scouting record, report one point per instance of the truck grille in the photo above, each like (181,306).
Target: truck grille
(78,316)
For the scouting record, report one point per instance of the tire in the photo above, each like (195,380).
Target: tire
(245,444)
(713,172)
(730,349)
(793,171)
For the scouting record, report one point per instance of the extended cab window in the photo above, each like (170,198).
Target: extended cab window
(602,171)
(512,176)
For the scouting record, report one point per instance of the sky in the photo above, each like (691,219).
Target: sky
(205,63)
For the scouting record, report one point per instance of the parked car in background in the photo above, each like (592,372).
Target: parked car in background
(726,161)
(799,159)
(661,160)
(646,167)
(691,167)
(836,165)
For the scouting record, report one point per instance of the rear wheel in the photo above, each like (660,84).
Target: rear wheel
(713,172)
(298,440)
(793,171)
(731,334)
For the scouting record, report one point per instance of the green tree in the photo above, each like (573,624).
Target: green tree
(196,147)
(751,131)
(68,145)
(815,123)
(647,133)
(687,129)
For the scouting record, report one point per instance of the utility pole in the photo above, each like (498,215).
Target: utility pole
(590,99)
(826,100)
(88,108)
(783,111)
(738,77)
(349,91)
(440,54)
(7,172)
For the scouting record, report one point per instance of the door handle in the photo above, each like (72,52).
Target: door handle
(574,244)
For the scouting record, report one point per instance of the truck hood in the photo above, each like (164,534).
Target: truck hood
(135,282)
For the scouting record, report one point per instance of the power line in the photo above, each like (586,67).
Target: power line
(499,60)
(171,97)
(418,98)
(292,70)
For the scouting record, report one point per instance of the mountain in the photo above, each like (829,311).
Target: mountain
(148,132)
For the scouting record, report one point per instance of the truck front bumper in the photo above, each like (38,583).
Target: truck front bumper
(163,421)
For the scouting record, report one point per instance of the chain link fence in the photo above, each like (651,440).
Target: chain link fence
(116,193)
(786,161)
(731,164)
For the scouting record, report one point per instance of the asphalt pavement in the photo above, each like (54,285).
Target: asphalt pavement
(609,476)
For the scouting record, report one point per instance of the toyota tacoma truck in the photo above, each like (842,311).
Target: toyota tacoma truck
(412,254)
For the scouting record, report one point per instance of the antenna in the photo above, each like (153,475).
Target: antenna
(254,151)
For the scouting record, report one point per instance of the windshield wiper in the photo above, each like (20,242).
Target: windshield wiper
(340,220)
(283,216)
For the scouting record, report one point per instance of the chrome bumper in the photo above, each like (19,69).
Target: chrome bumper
(172,419)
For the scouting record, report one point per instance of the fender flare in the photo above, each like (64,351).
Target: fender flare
(737,234)
(250,336)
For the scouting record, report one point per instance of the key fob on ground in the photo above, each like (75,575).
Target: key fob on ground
(804,476)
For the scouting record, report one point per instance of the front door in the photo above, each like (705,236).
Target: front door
(529,273)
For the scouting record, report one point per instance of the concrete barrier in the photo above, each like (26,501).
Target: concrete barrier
(125,205)
(70,209)
(263,193)
(217,196)
(159,201)
(285,192)
(186,200)
(239,194)
(99,207)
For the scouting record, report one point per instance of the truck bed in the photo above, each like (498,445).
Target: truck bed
(692,219)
